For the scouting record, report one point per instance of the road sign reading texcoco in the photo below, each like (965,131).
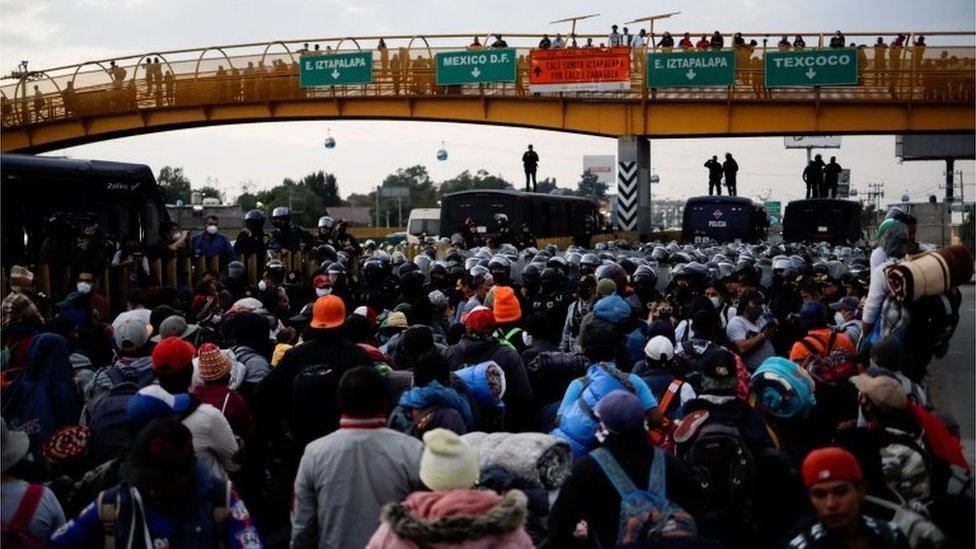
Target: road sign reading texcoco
(336,69)
(690,69)
(475,67)
(833,67)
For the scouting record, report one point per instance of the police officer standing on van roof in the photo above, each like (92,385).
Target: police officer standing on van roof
(252,239)
(813,177)
(530,161)
(714,175)
(831,175)
(730,168)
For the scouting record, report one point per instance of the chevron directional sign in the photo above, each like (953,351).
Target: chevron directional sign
(627,195)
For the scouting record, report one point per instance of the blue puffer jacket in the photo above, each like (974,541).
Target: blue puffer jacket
(435,394)
(578,425)
(615,310)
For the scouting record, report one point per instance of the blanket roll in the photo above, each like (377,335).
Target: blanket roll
(929,273)
(542,459)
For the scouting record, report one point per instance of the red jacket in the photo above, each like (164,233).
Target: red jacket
(230,403)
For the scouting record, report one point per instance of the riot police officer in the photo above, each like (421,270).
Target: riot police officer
(252,239)
(285,235)
(524,239)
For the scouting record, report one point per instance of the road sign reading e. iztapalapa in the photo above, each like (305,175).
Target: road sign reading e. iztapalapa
(833,67)
(336,69)
(475,67)
(690,69)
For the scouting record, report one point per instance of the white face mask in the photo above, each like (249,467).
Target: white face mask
(322,292)
(839,318)
(176,236)
(601,433)
(16,289)
(527,339)
(262,285)
(716,301)
(212,229)
(215,319)
(84,287)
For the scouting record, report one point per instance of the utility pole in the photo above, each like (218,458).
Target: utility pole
(875,194)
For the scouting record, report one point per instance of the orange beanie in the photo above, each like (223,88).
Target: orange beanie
(506,306)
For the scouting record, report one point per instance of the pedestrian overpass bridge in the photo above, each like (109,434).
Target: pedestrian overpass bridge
(900,90)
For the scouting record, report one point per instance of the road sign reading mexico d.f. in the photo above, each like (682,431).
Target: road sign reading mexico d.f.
(336,69)
(475,67)
(811,68)
(690,69)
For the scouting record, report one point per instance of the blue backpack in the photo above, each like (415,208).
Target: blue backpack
(645,515)
(110,432)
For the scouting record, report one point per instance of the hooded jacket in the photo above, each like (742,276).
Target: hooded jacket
(469,519)
(439,399)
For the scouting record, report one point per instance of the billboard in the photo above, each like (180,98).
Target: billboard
(602,166)
(812,141)
(844,184)
(579,69)
(958,146)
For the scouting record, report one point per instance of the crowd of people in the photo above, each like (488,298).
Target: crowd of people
(738,395)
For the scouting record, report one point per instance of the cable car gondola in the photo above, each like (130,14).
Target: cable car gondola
(442,153)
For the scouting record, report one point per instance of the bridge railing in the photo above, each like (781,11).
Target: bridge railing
(268,73)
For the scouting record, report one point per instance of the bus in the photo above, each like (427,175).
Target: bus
(822,219)
(548,215)
(124,199)
(723,219)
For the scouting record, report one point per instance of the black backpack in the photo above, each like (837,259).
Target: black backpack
(724,469)
(110,432)
(313,399)
(690,362)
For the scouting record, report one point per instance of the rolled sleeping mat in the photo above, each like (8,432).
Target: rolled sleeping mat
(486,381)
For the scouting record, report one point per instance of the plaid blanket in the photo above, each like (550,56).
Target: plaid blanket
(929,273)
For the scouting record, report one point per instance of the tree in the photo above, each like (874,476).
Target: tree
(546,186)
(175,185)
(325,186)
(465,181)
(247,201)
(591,186)
(211,192)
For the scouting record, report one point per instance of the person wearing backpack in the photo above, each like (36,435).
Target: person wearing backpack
(821,340)
(133,363)
(170,501)
(508,315)
(433,402)
(835,486)
(592,503)
(575,420)
(29,513)
(671,392)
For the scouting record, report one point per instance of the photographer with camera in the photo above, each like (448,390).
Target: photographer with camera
(750,331)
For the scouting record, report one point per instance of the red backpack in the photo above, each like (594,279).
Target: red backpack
(16,533)
(829,364)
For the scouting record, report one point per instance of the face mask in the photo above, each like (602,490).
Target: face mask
(212,229)
(716,301)
(322,292)
(215,319)
(16,289)
(839,318)
(601,433)
(527,339)
(262,285)
(752,313)
(84,287)
(175,236)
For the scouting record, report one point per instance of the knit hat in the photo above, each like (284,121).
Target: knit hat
(438,300)
(17,307)
(328,312)
(782,388)
(448,462)
(718,367)
(213,363)
(66,445)
(481,320)
(175,326)
(172,355)
(620,411)
(506,306)
(395,320)
(20,276)
(203,307)
(596,333)
(883,391)
(830,464)
(888,353)
(131,334)
(606,287)
(152,402)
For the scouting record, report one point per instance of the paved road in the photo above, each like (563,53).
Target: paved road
(954,376)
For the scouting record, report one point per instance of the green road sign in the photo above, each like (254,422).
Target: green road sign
(834,67)
(476,67)
(772,208)
(694,69)
(336,69)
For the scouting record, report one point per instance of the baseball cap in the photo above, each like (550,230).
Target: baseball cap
(174,326)
(480,320)
(328,312)
(367,313)
(830,464)
(152,402)
(172,355)
(321,282)
(620,410)
(131,334)
(847,302)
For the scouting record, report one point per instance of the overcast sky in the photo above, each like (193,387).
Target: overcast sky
(52,33)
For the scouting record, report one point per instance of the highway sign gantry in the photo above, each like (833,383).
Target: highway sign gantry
(830,67)
(475,67)
(336,69)
(691,69)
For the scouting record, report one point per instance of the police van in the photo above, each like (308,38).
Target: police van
(722,219)
(822,219)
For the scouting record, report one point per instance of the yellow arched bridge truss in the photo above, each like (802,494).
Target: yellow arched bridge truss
(915,89)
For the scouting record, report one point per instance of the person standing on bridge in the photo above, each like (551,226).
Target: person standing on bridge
(714,176)
(813,177)
(530,160)
(730,168)
(831,175)
(613,40)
